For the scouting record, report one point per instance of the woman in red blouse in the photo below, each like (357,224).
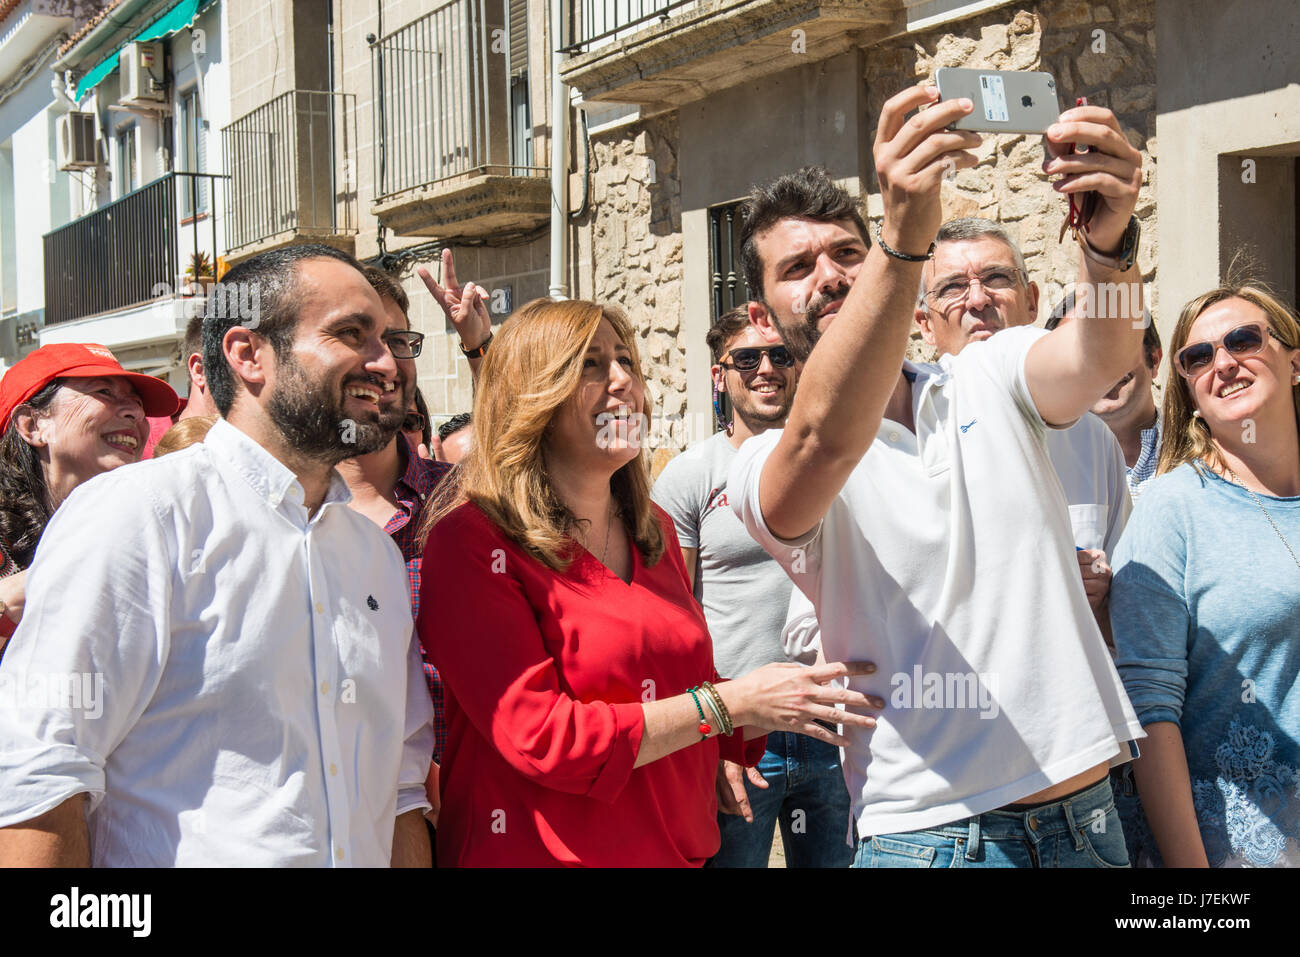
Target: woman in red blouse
(556,607)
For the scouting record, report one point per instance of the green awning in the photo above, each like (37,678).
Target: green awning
(178,17)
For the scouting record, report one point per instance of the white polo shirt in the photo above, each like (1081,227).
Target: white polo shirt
(948,560)
(231,681)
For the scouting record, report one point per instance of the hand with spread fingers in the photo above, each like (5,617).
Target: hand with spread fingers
(912,157)
(1111,167)
(464,306)
(785,696)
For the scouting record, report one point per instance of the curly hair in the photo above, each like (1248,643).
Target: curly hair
(25,506)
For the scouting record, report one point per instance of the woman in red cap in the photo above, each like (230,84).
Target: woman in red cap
(67,413)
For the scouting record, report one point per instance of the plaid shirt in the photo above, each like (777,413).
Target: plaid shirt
(1144,469)
(419,478)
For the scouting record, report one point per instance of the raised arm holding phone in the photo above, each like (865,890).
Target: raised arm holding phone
(910,508)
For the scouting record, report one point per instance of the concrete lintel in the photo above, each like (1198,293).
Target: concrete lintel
(477,205)
(293,237)
(720,44)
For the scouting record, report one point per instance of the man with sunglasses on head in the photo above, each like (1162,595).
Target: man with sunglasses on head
(745,593)
(916,507)
(391,485)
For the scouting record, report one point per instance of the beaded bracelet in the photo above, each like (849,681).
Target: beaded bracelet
(713,709)
(712,692)
(704,727)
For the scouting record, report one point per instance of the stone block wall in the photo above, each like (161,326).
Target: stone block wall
(633,253)
(1106,53)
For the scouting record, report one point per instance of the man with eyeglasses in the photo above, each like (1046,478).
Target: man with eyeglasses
(392,484)
(975,286)
(914,505)
(744,592)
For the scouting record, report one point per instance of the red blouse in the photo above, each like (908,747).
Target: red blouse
(544,674)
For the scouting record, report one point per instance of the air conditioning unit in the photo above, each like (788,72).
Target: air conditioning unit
(142,74)
(76,136)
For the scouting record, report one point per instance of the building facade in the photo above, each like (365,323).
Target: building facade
(397,128)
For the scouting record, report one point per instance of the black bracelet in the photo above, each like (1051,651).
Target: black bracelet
(880,241)
(480,351)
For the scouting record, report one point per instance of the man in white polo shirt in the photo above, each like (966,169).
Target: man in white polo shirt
(919,512)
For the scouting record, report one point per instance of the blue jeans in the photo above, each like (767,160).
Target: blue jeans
(806,794)
(1080,831)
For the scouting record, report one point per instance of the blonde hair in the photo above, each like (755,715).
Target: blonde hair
(1186,438)
(184,433)
(534,366)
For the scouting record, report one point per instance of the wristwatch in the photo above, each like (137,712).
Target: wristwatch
(479,352)
(1128,248)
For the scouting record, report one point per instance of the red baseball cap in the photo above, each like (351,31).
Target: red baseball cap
(68,359)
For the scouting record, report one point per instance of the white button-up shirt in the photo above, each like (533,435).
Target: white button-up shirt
(230,680)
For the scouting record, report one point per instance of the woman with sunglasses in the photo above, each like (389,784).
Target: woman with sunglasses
(1205,601)
(585,718)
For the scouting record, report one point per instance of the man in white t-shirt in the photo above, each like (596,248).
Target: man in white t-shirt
(920,512)
(977,285)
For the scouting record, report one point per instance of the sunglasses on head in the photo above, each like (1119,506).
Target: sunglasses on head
(1245,340)
(751,357)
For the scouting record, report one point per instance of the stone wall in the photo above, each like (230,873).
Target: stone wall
(634,241)
(1102,52)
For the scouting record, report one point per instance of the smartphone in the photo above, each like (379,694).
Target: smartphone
(1006,101)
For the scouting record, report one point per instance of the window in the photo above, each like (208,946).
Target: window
(521,134)
(128,170)
(729,289)
(191,154)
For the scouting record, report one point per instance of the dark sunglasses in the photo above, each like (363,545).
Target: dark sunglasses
(1245,340)
(751,357)
(414,422)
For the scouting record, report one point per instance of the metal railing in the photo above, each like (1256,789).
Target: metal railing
(447,100)
(132,251)
(291,167)
(594,21)
(727,279)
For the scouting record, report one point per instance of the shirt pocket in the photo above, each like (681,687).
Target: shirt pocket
(1088,525)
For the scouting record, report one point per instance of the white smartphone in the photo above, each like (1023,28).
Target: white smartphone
(1006,101)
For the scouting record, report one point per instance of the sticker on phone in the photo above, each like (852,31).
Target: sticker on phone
(994,97)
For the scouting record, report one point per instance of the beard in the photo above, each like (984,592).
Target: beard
(315,424)
(801,333)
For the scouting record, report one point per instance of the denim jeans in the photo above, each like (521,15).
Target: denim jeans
(806,794)
(1081,831)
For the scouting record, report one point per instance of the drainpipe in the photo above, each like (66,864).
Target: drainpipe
(559,161)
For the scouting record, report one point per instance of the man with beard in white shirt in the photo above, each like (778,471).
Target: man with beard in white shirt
(263,702)
(918,510)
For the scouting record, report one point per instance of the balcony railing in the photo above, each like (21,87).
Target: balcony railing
(595,21)
(132,251)
(452,97)
(291,167)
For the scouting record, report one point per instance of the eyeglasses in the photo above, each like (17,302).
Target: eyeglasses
(751,357)
(1245,340)
(414,422)
(404,345)
(955,290)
